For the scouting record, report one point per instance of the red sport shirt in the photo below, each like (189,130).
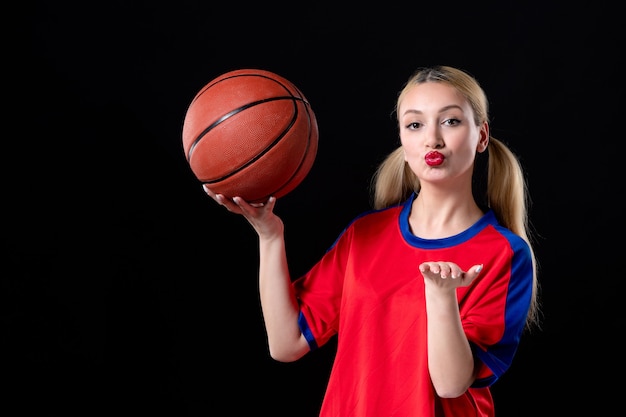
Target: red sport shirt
(367,289)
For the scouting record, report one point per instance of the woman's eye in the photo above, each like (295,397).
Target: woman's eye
(413,125)
(451,122)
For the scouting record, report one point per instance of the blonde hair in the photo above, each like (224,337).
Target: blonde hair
(505,191)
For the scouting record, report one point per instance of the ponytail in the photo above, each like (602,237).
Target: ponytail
(393,181)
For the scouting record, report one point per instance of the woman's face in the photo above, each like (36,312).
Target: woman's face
(438,133)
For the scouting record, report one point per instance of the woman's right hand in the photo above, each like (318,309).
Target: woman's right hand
(260,215)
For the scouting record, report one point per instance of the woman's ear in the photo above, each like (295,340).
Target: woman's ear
(483,140)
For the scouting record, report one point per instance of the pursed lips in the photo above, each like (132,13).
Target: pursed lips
(434,158)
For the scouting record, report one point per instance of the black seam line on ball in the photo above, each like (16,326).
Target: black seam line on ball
(261,154)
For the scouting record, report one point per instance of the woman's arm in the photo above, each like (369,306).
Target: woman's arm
(278,301)
(450,359)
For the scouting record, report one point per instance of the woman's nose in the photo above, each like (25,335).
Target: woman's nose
(434,139)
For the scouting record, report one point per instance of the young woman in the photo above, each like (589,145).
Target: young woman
(429,292)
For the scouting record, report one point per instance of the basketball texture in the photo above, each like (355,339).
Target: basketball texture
(250,133)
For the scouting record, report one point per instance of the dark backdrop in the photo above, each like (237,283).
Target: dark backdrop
(127,291)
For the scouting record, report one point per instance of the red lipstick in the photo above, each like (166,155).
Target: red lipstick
(434,158)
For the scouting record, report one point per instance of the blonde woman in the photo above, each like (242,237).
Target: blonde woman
(429,292)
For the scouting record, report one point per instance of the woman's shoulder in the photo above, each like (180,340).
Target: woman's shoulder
(516,242)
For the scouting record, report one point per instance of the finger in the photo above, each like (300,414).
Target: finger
(456,272)
(430,269)
(220,198)
(472,273)
(444,273)
(243,204)
(443,269)
(208,191)
(249,210)
(271,202)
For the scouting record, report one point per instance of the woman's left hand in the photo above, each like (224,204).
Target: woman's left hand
(448,274)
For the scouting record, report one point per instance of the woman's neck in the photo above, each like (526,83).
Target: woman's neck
(437,216)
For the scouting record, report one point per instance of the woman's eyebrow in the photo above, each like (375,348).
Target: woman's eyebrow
(443,109)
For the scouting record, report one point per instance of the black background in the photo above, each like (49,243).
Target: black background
(127,291)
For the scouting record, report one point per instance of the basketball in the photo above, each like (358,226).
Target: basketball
(250,133)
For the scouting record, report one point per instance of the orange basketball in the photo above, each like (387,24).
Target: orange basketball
(250,133)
